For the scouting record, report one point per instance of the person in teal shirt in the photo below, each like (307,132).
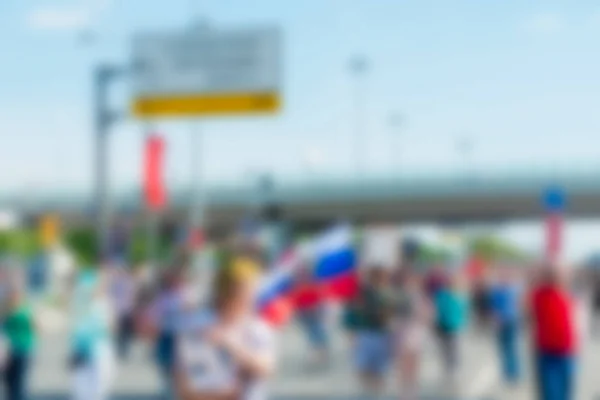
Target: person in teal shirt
(92,353)
(451,305)
(19,331)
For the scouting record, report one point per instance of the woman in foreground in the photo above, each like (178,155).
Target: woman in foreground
(228,353)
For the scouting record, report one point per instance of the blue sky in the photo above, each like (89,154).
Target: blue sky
(517,80)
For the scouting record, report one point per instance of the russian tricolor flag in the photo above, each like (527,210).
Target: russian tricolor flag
(334,259)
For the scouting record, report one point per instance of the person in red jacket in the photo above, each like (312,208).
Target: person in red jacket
(555,336)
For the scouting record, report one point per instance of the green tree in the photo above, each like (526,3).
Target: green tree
(492,248)
(20,242)
(84,244)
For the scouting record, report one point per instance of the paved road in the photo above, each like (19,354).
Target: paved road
(136,380)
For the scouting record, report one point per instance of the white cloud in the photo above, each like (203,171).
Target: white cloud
(67,18)
(58,19)
(545,23)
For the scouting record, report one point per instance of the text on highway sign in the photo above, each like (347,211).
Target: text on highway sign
(207,73)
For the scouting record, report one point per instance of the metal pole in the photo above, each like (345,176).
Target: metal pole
(202,264)
(196,211)
(358,68)
(102,75)
(197,203)
(395,126)
(465,147)
(152,220)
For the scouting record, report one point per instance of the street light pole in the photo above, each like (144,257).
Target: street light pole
(102,121)
(465,148)
(358,69)
(104,75)
(197,203)
(395,124)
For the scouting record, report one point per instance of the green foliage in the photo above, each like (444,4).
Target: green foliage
(429,254)
(84,244)
(491,248)
(139,248)
(20,242)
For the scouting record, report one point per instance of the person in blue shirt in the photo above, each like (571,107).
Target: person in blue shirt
(505,304)
(164,319)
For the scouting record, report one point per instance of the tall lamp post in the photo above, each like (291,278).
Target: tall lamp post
(359,67)
(465,150)
(104,119)
(197,205)
(395,125)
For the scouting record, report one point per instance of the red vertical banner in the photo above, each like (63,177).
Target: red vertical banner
(154,187)
(554,235)
(554,200)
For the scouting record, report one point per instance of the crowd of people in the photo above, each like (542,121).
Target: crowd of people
(219,347)
(398,311)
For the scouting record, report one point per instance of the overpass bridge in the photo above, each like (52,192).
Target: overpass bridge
(449,198)
(416,199)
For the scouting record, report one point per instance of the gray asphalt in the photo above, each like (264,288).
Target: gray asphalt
(137,379)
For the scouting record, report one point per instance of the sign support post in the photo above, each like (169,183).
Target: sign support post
(200,262)
(104,75)
(197,204)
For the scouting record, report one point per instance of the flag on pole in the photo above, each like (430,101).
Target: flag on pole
(554,202)
(554,236)
(337,263)
(334,259)
(274,301)
(154,188)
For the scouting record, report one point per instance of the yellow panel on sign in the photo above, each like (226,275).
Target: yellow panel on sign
(207,105)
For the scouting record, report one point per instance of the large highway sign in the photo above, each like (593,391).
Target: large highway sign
(207,72)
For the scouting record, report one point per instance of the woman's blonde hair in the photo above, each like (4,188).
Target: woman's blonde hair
(230,278)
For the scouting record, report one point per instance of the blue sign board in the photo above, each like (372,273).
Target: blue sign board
(554,199)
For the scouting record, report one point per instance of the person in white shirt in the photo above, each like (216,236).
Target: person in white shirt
(92,354)
(228,352)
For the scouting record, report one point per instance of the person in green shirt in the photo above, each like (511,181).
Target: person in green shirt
(18,328)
